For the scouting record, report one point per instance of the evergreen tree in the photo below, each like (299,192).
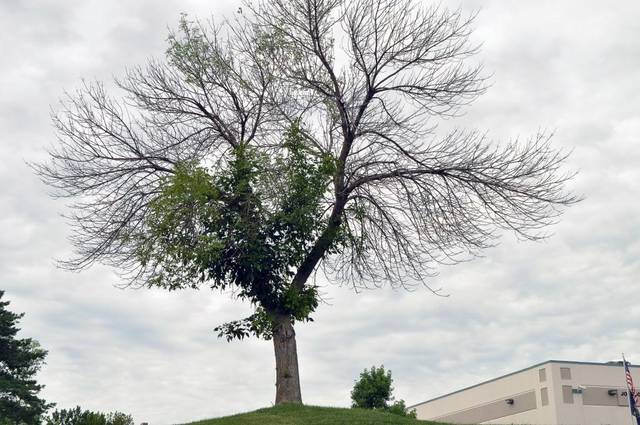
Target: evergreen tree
(20,360)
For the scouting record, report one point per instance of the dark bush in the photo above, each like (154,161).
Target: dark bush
(79,417)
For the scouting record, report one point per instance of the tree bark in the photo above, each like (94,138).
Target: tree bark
(287,376)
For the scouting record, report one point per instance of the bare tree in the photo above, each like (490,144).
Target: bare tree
(348,90)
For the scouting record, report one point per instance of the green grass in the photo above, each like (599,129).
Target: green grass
(311,415)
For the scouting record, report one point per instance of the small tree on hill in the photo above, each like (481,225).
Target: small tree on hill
(373,390)
(299,136)
(20,360)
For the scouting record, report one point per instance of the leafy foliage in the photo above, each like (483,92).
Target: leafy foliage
(374,391)
(77,416)
(245,227)
(20,360)
(259,324)
(400,408)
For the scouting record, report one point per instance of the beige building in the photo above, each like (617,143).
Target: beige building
(554,392)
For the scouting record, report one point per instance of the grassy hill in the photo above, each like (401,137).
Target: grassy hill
(312,415)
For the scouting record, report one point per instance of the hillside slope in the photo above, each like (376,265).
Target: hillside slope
(311,415)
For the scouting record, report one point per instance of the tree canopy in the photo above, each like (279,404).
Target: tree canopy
(299,136)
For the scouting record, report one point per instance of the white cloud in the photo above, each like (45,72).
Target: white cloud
(568,66)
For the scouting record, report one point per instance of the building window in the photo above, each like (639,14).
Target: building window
(565,373)
(544,396)
(543,374)
(567,394)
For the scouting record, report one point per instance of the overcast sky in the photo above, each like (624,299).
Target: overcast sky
(569,66)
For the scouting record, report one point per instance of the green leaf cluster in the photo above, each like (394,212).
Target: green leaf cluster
(246,226)
(193,54)
(77,416)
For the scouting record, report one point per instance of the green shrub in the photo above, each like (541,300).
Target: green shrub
(79,417)
(400,408)
(374,391)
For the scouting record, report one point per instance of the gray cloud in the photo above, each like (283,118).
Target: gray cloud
(567,66)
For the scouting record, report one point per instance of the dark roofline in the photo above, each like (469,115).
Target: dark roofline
(615,364)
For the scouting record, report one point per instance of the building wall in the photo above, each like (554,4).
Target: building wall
(576,393)
(486,403)
(592,405)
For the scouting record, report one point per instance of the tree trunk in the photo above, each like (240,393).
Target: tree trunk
(287,377)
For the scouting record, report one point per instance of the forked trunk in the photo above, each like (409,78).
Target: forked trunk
(287,377)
